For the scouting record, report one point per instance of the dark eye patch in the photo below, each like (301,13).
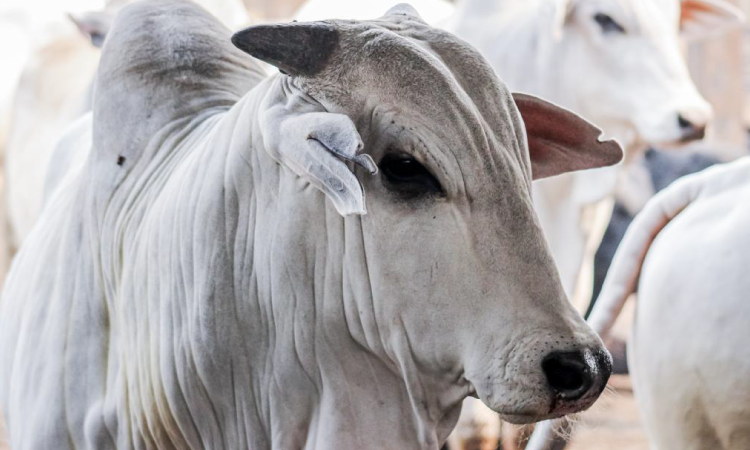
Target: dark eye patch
(406,175)
(608,24)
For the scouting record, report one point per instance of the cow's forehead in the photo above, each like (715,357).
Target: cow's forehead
(431,75)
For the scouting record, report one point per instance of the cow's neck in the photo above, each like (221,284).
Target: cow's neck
(324,375)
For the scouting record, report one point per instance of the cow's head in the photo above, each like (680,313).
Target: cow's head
(624,65)
(449,274)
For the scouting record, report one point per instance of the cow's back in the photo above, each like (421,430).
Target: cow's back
(689,352)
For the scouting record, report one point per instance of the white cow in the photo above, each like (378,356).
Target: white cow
(686,253)
(210,278)
(54,90)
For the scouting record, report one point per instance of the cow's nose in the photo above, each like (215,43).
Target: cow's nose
(692,130)
(571,375)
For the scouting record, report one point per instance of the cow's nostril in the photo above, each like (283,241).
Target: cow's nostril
(683,122)
(691,131)
(568,374)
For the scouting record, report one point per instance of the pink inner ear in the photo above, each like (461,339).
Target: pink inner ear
(689,9)
(561,141)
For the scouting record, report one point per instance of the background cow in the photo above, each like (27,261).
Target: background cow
(686,252)
(73,56)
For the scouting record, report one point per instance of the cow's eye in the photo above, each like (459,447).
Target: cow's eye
(608,24)
(406,175)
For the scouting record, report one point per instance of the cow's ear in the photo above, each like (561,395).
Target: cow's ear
(94,25)
(316,146)
(706,18)
(561,141)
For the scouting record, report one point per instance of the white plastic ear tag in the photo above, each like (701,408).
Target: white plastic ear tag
(313,145)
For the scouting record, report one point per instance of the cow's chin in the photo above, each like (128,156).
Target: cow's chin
(524,418)
(519,408)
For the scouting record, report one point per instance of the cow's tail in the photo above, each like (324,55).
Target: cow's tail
(623,274)
(622,278)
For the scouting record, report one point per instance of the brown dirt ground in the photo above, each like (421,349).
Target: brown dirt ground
(612,423)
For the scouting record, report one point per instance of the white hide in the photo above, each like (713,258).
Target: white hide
(69,155)
(689,349)
(195,286)
(686,253)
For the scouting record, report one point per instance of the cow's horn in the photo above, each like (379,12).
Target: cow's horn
(294,48)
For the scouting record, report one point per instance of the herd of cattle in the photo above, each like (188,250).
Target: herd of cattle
(366,233)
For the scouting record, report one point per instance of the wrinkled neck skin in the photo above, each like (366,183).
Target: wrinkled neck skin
(274,343)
